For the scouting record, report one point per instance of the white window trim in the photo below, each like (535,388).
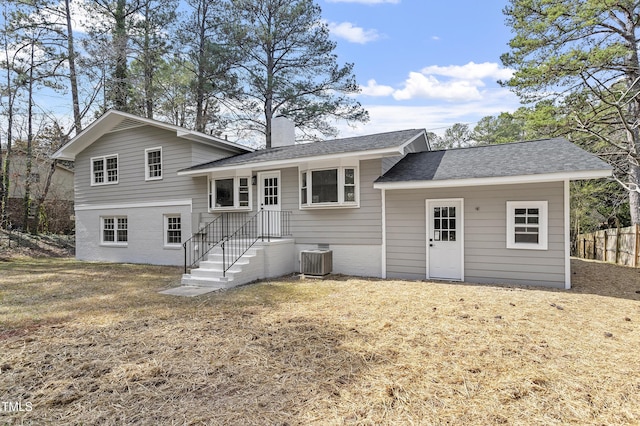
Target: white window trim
(236,194)
(146,164)
(167,244)
(104,165)
(341,185)
(543,225)
(115,232)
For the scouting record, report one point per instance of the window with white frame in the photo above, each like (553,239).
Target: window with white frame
(337,186)
(527,225)
(114,230)
(104,170)
(153,163)
(173,230)
(230,193)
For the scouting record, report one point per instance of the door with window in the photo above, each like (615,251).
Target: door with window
(269,197)
(445,239)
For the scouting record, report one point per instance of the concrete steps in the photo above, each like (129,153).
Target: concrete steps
(210,272)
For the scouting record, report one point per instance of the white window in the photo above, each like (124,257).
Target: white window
(173,230)
(153,163)
(114,230)
(104,170)
(527,225)
(230,193)
(329,187)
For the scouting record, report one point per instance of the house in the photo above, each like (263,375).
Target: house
(58,203)
(384,205)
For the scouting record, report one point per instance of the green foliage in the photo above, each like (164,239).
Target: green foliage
(287,66)
(503,128)
(456,136)
(583,56)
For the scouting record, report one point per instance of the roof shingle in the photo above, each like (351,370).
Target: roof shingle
(513,159)
(328,147)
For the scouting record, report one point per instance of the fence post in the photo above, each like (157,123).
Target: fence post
(635,249)
(604,252)
(617,245)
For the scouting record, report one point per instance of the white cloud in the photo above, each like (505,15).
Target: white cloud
(435,117)
(427,86)
(450,83)
(470,71)
(374,89)
(365,1)
(352,33)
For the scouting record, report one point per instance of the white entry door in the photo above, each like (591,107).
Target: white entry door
(445,239)
(269,197)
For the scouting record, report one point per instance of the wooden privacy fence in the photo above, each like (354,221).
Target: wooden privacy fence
(617,245)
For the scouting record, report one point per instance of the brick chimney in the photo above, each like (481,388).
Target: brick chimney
(283,132)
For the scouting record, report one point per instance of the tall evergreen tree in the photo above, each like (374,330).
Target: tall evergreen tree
(585,54)
(287,66)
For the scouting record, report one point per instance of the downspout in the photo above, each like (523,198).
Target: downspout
(567,236)
(384,234)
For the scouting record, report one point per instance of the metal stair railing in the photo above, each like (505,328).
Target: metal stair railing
(265,224)
(210,236)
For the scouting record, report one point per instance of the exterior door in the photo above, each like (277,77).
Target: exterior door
(445,239)
(269,191)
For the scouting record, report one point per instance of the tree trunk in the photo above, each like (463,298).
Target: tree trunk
(73,79)
(120,41)
(27,179)
(201,119)
(44,194)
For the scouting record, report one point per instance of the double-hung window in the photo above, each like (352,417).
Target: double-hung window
(153,163)
(330,187)
(173,230)
(527,225)
(104,170)
(115,230)
(230,193)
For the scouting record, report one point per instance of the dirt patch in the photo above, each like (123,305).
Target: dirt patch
(98,345)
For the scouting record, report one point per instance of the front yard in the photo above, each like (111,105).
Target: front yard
(92,343)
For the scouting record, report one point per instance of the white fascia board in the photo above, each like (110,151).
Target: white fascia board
(168,203)
(293,162)
(88,136)
(112,118)
(501,180)
(422,133)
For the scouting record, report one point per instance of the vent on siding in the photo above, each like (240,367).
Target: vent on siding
(316,262)
(127,123)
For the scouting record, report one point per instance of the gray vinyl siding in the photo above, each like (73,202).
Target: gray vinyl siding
(132,187)
(487,260)
(343,226)
(201,153)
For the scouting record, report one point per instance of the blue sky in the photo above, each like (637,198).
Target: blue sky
(423,63)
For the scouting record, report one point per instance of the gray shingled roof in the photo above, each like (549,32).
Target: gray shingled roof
(335,146)
(513,159)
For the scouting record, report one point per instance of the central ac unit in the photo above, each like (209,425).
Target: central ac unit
(316,262)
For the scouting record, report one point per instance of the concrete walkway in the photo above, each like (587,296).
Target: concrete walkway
(188,291)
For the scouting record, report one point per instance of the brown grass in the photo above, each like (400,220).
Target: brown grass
(91,343)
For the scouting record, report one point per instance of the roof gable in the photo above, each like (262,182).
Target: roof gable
(378,144)
(113,121)
(532,158)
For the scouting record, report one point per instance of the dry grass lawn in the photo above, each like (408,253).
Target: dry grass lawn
(92,343)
